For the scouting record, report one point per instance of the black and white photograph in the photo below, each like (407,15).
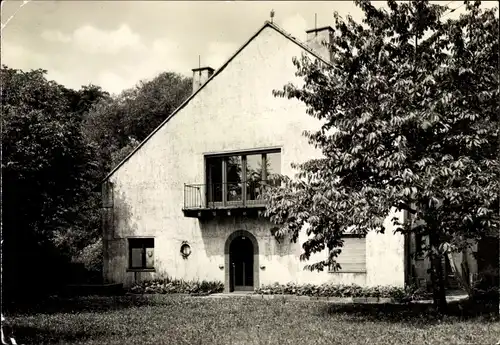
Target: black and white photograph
(250,172)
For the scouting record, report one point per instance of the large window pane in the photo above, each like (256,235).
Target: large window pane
(273,166)
(136,257)
(234,178)
(254,177)
(214,177)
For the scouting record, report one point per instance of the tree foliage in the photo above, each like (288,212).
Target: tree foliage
(45,160)
(46,171)
(409,111)
(115,126)
(57,145)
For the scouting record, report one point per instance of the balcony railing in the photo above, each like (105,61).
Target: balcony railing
(224,195)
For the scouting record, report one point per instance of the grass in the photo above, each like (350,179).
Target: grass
(170,319)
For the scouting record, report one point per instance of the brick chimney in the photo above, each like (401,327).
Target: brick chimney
(200,76)
(315,39)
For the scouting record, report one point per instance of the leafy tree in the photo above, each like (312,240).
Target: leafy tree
(82,100)
(409,112)
(47,172)
(115,126)
(57,145)
(152,101)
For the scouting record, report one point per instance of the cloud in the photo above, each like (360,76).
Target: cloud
(19,56)
(91,40)
(146,62)
(158,56)
(12,52)
(115,59)
(113,82)
(73,80)
(55,36)
(295,25)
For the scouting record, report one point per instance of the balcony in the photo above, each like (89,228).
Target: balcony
(202,200)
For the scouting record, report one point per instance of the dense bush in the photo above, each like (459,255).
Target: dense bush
(169,285)
(88,263)
(485,288)
(336,290)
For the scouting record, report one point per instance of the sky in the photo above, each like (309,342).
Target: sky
(115,44)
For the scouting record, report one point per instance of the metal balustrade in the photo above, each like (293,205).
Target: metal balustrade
(223,195)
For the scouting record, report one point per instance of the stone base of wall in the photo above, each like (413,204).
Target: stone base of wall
(339,300)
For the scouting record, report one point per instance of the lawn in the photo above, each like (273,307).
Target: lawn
(164,319)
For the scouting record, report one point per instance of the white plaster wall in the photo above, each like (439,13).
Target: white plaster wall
(385,255)
(234,111)
(384,261)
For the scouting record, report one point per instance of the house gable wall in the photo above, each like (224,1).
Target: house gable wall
(234,111)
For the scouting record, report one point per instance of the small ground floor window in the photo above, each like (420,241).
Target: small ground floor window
(141,253)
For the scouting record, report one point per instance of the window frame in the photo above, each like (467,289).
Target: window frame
(354,271)
(243,156)
(144,245)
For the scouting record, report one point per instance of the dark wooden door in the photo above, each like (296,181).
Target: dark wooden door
(241,258)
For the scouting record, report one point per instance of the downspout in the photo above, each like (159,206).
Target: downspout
(107,225)
(407,252)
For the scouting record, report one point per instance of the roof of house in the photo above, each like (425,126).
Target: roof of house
(266,24)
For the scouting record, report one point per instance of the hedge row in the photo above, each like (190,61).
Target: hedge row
(336,290)
(169,286)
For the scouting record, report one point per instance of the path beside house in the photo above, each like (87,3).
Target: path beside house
(451,296)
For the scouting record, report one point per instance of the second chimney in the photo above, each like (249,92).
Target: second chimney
(200,76)
(316,39)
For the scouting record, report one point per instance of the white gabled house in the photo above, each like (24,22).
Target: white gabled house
(186,202)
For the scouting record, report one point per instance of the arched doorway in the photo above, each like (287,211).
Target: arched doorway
(241,252)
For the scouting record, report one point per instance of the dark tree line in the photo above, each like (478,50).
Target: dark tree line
(57,145)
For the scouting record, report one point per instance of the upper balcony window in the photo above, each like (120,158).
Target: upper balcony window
(239,178)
